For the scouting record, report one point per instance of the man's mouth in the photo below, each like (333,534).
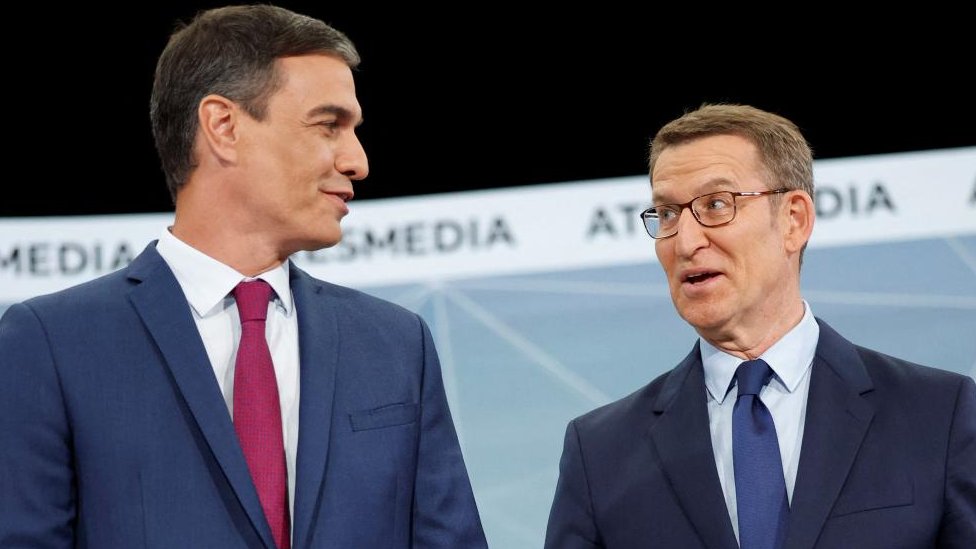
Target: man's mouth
(699,278)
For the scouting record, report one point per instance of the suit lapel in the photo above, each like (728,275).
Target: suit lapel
(837,419)
(161,304)
(318,336)
(683,441)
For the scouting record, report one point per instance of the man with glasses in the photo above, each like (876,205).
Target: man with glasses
(774,431)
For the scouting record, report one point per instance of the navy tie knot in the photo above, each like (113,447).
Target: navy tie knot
(752,375)
(252,299)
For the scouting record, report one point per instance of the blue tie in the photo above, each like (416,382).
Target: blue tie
(760,490)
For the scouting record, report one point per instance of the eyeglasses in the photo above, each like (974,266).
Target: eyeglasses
(711,210)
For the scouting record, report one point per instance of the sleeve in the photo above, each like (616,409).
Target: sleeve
(445,513)
(571,522)
(958,527)
(37,483)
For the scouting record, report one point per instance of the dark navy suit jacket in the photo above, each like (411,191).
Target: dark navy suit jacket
(114,433)
(888,460)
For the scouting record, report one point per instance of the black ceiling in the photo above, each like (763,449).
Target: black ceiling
(494,98)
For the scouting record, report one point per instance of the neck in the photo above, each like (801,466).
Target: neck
(248,253)
(751,341)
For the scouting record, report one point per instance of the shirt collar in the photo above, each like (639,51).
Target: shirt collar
(789,358)
(206,282)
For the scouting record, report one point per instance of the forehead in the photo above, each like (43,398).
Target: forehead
(715,162)
(310,83)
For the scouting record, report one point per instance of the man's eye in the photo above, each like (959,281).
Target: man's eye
(327,126)
(718,203)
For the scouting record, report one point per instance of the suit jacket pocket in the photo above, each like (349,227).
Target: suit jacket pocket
(895,492)
(384,416)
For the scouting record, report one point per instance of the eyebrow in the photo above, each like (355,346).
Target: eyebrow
(341,113)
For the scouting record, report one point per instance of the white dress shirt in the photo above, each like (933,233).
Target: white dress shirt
(786,397)
(207,285)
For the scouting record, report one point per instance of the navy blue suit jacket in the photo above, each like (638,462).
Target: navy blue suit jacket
(114,433)
(888,460)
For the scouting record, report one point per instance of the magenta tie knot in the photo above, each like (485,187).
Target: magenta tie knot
(252,299)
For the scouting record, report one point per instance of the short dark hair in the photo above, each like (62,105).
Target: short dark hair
(229,51)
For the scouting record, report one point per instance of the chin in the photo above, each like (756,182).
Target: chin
(311,243)
(703,317)
(326,243)
(326,236)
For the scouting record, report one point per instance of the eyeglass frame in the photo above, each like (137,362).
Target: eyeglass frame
(644,215)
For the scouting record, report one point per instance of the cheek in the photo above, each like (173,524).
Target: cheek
(325,159)
(664,256)
(298,154)
(758,273)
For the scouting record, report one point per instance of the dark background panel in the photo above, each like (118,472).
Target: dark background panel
(483,97)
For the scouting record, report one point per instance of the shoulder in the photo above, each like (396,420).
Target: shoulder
(626,413)
(342,296)
(64,318)
(90,297)
(350,304)
(99,295)
(889,372)
(865,369)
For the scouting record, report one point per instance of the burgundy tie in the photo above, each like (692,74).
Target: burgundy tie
(257,411)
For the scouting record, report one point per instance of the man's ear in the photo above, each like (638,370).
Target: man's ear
(800,213)
(219,127)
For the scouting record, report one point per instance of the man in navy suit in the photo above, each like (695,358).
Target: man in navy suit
(117,420)
(873,451)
